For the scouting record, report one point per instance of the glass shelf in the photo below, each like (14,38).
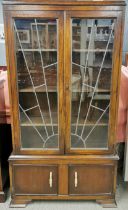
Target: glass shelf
(37,122)
(37,50)
(54,90)
(91,50)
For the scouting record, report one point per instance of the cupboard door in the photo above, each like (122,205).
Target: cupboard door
(91,179)
(39,72)
(92,94)
(30,179)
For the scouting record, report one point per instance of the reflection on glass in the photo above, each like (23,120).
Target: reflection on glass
(36,56)
(92,47)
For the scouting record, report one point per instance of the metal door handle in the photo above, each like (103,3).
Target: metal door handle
(50,179)
(76,179)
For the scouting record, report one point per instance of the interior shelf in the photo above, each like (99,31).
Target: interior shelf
(91,50)
(89,26)
(37,121)
(74,50)
(37,50)
(39,90)
(54,89)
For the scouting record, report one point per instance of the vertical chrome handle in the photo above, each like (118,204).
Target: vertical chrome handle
(76,179)
(50,179)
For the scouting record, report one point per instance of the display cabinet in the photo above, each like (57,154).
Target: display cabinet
(64,69)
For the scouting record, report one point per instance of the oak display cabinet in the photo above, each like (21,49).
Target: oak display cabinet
(64,62)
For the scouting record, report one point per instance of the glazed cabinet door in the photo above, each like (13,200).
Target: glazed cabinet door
(36,80)
(91,81)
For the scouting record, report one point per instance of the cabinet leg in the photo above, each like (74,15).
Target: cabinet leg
(18,203)
(107,203)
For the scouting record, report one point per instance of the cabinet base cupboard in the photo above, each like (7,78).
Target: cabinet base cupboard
(63,178)
(64,61)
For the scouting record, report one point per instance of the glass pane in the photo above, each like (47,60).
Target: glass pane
(37,69)
(92,48)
